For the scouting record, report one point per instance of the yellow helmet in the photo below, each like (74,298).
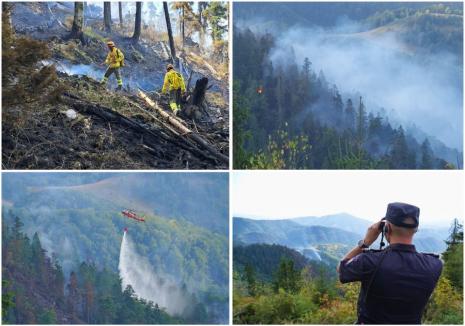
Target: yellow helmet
(110,43)
(169,66)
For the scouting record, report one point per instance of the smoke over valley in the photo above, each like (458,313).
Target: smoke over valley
(355,85)
(415,88)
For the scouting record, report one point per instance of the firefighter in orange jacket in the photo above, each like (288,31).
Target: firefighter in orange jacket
(175,84)
(114,60)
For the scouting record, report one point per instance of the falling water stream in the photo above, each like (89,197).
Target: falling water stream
(136,270)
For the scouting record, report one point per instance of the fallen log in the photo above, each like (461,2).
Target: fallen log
(183,129)
(115,117)
(173,131)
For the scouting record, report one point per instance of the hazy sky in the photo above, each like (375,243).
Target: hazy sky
(365,194)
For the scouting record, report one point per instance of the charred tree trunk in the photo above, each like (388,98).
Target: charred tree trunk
(120,10)
(138,22)
(170,32)
(107,16)
(198,95)
(196,103)
(76,30)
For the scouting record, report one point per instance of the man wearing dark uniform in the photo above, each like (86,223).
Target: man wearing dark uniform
(397,281)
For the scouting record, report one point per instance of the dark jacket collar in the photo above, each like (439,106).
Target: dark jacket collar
(402,247)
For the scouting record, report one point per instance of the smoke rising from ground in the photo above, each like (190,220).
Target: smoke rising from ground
(136,271)
(418,88)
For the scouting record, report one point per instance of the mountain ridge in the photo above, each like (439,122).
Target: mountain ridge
(327,236)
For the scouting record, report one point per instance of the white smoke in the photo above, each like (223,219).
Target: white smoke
(136,271)
(423,89)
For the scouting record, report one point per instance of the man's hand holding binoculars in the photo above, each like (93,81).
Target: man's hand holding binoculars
(373,232)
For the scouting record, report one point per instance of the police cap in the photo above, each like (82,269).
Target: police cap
(398,212)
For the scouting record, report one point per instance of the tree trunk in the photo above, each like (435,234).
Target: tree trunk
(198,95)
(76,30)
(137,24)
(186,132)
(201,20)
(182,27)
(78,18)
(107,16)
(120,9)
(170,32)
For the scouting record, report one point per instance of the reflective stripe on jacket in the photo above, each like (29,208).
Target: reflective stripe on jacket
(174,81)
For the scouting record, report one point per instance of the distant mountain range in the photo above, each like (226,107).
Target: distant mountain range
(322,238)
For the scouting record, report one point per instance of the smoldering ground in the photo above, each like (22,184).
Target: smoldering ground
(419,88)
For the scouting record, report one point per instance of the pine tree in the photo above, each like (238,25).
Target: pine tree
(399,154)
(250,279)
(286,277)
(426,155)
(453,256)
(185,14)
(361,124)
(217,16)
(73,301)
(350,114)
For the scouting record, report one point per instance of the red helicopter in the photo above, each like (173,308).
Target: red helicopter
(131,214)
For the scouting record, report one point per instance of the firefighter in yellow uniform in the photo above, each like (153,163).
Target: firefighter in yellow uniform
(114,60)
(175,84)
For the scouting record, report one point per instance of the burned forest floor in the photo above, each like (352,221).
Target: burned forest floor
(56,115)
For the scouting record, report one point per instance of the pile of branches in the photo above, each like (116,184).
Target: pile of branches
(105,137)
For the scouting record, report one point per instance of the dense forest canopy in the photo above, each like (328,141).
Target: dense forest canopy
(184,237)
(289,114)
(35,289)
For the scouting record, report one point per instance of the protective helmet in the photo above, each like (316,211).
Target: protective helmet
(110,43)
(169,67)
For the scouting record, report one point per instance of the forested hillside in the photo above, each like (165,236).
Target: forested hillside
(79,221)
(63,108)
(162,194)
(264,260)
(36,291)
(289,115)
(318,14)
(295,291)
